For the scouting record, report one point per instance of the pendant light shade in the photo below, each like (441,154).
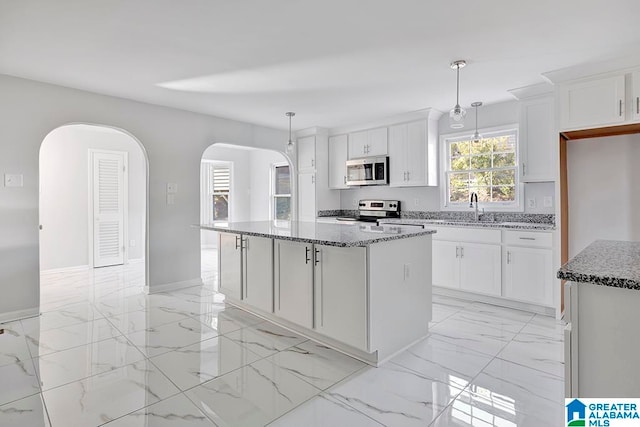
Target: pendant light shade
(476,136)
(290,146)
(457,113)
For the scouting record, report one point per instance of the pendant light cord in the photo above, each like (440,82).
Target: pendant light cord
(457,85)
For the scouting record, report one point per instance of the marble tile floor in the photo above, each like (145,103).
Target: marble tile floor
(103,353)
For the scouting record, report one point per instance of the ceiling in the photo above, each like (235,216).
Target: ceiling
(333,62)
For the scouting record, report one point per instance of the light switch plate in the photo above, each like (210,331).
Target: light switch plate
(172,188)
(13,180)
(531,203)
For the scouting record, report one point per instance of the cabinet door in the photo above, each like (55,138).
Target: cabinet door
(341,294)
(446,265)
(529,275)
(307,197)
(537,140)
(398,155)
(338,152)
(230,266)
(294,282)
(416,153)
(377,142)
(592,103)
(635,101)
(358,142)
(258,272)
(480,268)
(307,153)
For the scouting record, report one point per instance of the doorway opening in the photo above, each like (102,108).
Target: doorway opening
(93,214)
(240,184)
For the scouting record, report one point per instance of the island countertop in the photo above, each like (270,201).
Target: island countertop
(607,263)
(344,235)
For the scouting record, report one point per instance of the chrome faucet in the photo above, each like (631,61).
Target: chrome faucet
(474,198)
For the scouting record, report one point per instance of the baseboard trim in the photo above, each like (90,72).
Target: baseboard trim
(19,314)
(66,269)
(174,286)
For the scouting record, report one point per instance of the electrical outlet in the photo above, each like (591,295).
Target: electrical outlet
(416,202)
(407,271)
(12,180)
(172,188)
(354,202)
(547,202)
(531,203)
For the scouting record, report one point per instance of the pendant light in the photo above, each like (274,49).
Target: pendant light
(457,113)
(476,136)
(290,146)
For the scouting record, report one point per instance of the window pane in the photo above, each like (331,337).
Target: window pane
(504,177)
(481,162)
(459,148)
(482,146)
(221,207)
(282,180)
(505,143)
(282,208)
(458,187)
(480,179)
(460,163)
(484,193)
(504,194)
(504,160)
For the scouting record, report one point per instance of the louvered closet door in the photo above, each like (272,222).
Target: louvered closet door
(108,209)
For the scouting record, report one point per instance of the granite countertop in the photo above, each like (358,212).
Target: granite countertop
(474,224)
(607,263)
(345,235)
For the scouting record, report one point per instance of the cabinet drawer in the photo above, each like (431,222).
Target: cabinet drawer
(528,238)
(472,235)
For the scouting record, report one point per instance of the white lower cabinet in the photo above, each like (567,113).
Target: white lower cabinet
(294,282)
(473,267)
(257,263)
(229,246)
(341,294)
(529,274)
(248,269)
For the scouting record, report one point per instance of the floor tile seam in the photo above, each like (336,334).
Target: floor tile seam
(135,410)
(39,391)
(435,337)
(46,409)
(76,346)
(517,385)
(152,327)
(483,325)
(530,367)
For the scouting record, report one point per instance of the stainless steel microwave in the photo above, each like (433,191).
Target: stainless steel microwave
(368,171)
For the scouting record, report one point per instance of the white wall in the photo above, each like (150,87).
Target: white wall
(64,193)
(428,198)
(604,200)
(174,141)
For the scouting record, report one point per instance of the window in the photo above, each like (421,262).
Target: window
(281,192)
(488,167)
(216,185)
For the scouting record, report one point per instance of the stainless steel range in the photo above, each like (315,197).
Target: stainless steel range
(373,210)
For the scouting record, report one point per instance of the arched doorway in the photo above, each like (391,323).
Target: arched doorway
(238,184)
(93,210)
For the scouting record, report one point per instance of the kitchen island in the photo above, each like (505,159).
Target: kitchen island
(602,297)
(364,290)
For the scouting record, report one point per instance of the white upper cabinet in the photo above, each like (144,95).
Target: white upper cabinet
(635,98)
(412,155)
(338,154)
(592,103)
(306,153)
(538,140)
(368,143)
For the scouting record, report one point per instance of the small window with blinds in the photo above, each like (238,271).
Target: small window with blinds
(220,180)
(488,167)
(281,192)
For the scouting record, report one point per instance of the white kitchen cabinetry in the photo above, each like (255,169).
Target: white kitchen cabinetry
(467,266)
(368,143)
(257,269)
(635,98)
(306,153)
(592,103)
(412,154)
(341,294)
(307,197)
(248,269)
(538,139)
(294,282)
(229,246)
(528,262)
(338,154)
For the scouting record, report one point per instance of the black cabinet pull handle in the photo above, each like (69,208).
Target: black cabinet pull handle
(306,255)
(317,260)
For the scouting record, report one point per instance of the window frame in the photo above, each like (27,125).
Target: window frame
(206,202)
(272,191)
(445,168)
